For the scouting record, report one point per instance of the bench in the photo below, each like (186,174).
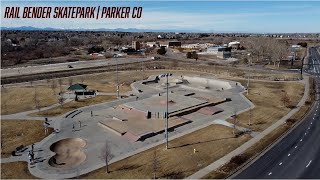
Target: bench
(21,148)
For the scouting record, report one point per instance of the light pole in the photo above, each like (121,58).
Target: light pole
(167,113)
(248,84)
(250,114)
(117,77)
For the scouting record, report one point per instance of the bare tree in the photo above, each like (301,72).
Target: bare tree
(61,100)
(106,155)
(250,116)
(48,82)
(81,79)
(4,100)
(234,122)
(53,86)
(278,54)
(70,80)
(60,84)
(155,164)
(285,99)
(36,99)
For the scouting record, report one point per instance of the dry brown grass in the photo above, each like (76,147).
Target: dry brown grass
(266,96)
(18,99)
(257,148)
(20,132)
(106,82)
(16,170)
(56,111)
(211,143)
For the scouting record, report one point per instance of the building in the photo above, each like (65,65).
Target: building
(174,44)
(135,45)
(197,46)
(164,44)
(296,46)
(234,45)
(152,44)
(214,50)
(223,54)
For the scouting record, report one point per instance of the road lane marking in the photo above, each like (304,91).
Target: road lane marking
(296,147)
(309,163)
(300,140)
(289,154)
(270,173)
(280,163)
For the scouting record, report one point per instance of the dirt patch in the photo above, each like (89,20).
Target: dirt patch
(68,153)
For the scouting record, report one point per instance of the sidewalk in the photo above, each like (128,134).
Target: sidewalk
(24,115)
(220,162)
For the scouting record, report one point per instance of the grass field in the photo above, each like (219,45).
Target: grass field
(19,99)
(179,161)
(59,110)
(20,132)
(15,170)
(268,105)
(211,143)
(227,169)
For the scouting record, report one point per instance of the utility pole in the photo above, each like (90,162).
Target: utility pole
(301,72)
(167,113)
(250,114)
(294,57)
(117,77)
(248,84)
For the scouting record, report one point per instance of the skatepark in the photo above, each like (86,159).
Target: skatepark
(136,123)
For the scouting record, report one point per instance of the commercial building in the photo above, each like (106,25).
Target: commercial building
(152,44)
(234,45)
(224,54)
(135,45)
(214,50)
(174,44)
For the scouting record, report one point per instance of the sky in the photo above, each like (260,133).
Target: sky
(195,16)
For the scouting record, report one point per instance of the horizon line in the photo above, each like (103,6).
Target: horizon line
(142,30)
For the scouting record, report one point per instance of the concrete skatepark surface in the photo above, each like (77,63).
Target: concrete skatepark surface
(195,102)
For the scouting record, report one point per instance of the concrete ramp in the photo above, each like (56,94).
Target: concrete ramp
(210,110)
(208,82)
(131,137)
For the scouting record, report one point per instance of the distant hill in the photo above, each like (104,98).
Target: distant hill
(31,28)
(28,28)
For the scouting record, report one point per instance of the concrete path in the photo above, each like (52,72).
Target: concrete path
(217,164)
(24,115)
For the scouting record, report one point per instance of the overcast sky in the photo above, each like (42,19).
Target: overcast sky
(210,16)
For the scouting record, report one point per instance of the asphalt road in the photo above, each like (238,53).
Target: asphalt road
(296,156)
(64,66)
